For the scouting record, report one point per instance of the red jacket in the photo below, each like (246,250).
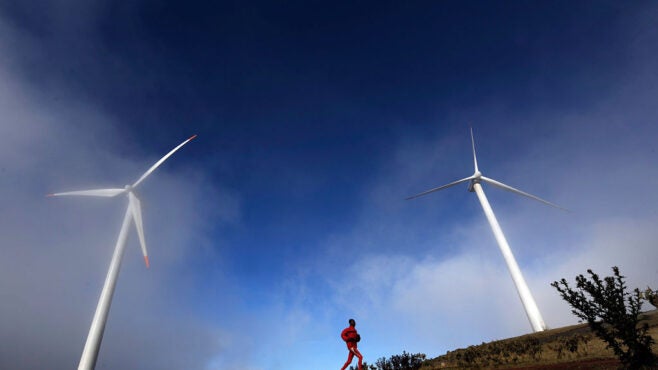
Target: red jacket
(349,335)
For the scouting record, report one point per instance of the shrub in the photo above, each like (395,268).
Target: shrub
(405,361)
(612,314)
(651,296)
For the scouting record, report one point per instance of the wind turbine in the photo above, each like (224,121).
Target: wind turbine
(134,212)
(531,309)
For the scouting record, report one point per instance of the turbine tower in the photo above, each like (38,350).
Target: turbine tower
(134,212)
(475,180)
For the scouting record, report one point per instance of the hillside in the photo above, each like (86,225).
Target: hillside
(571,347)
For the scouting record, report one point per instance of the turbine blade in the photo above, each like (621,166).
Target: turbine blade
(158,163)
(475,160)
(136,210)
(517,191)
(441,187)
(91,193)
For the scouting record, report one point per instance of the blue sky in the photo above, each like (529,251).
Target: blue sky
(286,216)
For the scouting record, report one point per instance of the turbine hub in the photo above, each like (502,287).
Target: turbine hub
(476,180)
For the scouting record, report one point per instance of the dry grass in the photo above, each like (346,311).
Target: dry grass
(571,347)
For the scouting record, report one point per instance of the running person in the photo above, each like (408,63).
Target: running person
(350,336)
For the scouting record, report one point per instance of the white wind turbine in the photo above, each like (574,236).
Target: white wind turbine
(92,346)
(474,180)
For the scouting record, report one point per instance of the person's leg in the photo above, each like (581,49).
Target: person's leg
(359,356)
(349,360)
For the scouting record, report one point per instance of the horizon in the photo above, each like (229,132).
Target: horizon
(287,216)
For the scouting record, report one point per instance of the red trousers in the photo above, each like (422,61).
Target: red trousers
(353,351)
